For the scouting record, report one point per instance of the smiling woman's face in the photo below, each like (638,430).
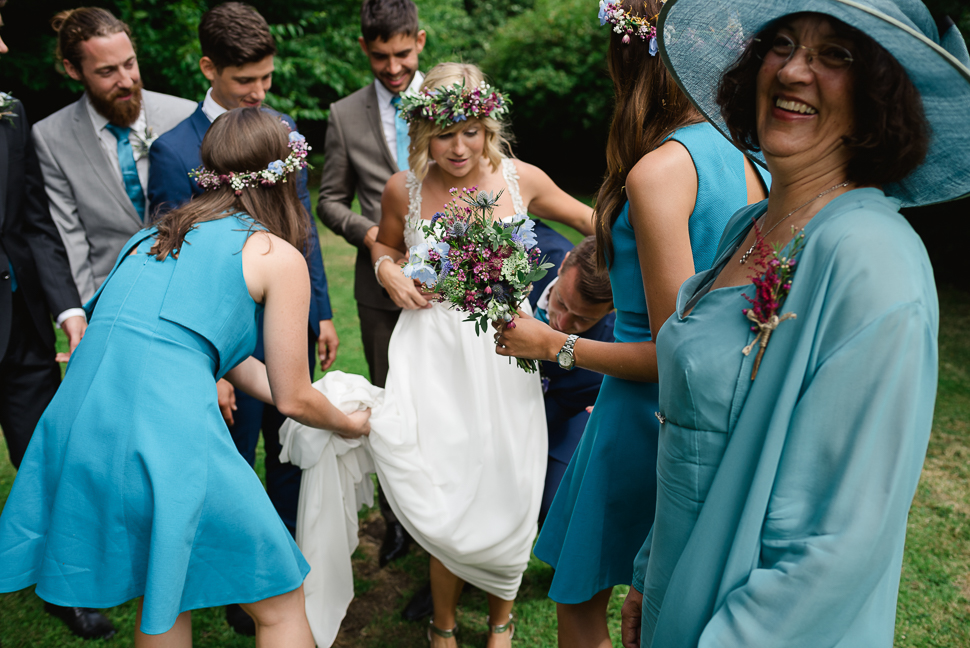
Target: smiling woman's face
(805,107)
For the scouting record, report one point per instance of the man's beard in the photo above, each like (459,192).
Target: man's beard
(120,113)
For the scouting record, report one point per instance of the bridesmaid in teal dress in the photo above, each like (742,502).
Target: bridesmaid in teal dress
(785,478)
(131,486)
(673,183)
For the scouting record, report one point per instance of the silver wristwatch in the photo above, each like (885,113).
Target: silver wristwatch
(565,357)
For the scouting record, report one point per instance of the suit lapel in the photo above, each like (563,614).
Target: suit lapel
(87,139)
(374,118)
(200,123)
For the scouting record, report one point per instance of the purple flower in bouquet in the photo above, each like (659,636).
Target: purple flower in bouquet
(458,229)
(499,292)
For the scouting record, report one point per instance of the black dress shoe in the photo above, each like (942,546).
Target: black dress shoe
(239,621)
(84,622)
(421,605)
(396,543)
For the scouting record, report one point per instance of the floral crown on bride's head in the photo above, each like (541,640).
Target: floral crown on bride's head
(448,105)
(629,25)
(275,171)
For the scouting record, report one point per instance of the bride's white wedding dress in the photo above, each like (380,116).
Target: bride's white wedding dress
(464,467)
(458,439)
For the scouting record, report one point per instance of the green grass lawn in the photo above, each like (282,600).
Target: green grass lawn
(934,599)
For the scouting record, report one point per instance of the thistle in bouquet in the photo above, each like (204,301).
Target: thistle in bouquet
(772,280)
(479,266)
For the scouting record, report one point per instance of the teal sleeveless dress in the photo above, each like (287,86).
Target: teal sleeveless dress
(604,507)
(131,485)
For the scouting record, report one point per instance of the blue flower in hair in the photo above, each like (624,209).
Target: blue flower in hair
(296,136)
(602,13)
(654,48)
(276,166)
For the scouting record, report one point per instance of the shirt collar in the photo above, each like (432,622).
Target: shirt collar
(384,95)
(97,119)
(211,108)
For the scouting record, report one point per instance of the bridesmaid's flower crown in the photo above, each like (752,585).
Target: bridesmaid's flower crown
(448,105)
(275,171)
(629,25)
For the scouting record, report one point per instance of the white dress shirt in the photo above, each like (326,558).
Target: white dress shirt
(389,112)
(211,108)
(140,138)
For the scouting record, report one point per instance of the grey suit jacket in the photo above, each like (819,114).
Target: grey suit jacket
(357,162)
(88,201)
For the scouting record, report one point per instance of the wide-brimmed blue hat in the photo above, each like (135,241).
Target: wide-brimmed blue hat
(700,39)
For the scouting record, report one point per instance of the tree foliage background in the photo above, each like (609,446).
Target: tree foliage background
(548,55)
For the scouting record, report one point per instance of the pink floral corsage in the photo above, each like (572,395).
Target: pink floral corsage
(772,280)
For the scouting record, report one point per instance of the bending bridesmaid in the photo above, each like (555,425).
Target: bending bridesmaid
(131,486)
(672,184)
(785,477)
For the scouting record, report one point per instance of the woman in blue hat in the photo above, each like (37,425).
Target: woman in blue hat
(798,375)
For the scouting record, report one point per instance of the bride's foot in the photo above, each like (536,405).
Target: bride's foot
(442,638)
(500,636)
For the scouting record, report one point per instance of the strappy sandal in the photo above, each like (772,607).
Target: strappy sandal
(508,626)
(444,634)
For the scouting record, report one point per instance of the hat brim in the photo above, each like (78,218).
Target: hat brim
(699,39)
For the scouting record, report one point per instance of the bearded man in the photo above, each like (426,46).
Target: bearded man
(94,152)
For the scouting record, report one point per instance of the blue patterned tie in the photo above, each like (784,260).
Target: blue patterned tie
(129,170)
(403,139)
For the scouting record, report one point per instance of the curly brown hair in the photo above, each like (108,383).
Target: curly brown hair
(885,147)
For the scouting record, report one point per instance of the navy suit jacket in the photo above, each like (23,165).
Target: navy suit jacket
(570,393)
(176,153)
(553,246)
(29,240)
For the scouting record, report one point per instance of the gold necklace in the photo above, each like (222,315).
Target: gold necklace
(744,257)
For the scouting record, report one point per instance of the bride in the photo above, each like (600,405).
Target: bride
(464,469)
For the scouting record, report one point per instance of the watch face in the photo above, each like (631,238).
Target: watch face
(565,360)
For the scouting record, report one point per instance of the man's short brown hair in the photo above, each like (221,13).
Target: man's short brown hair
(234,34)
(74,26)
(592,284)
(384,19)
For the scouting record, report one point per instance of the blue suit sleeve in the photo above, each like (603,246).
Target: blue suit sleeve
(169,185)
(318,274)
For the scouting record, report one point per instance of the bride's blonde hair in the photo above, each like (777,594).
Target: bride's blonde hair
(422,131)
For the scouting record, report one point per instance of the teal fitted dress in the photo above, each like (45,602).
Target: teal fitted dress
(782,501)
(604,507)
(131,485)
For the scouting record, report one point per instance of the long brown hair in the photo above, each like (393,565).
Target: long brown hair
(649,106)
(241,140)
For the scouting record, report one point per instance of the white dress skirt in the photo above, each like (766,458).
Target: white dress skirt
(464,462)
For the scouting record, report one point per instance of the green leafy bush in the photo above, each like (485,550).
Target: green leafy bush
(552,61)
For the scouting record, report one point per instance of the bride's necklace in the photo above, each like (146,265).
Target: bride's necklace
(744,257)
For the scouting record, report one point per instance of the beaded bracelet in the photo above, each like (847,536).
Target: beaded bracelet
(377,264)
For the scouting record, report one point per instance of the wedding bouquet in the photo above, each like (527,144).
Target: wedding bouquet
(481,267)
